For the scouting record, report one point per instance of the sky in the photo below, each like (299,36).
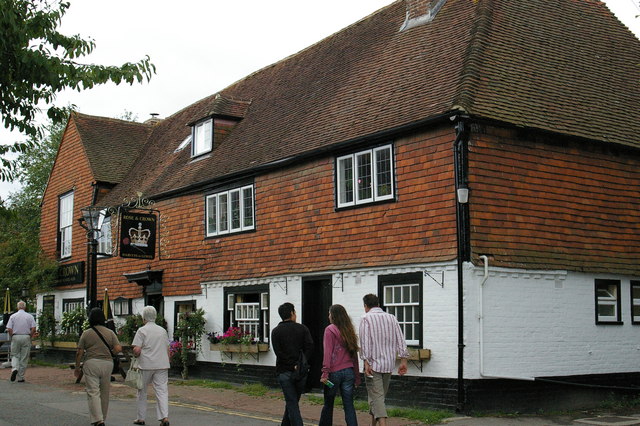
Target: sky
(199,47)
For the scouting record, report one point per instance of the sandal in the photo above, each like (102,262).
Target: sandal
(164,422)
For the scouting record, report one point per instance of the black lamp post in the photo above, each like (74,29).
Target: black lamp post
(91,221)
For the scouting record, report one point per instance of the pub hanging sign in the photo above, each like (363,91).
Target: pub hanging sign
(138,235)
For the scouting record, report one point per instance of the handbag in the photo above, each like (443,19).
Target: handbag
(134,375)
(301,368)
(115,358)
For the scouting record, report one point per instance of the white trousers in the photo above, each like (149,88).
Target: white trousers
(160,381)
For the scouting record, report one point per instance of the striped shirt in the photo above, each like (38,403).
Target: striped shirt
(381,340)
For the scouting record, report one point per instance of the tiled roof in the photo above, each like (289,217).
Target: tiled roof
(566,66)
(111,145)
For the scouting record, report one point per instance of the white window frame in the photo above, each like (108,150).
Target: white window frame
(248,317)
(607,295)
(249,310)
(105,245)
(202,138)
(349,187)
(65,219)
(121,306)
(69,305)
(635,302)
(410,309)
(221,209)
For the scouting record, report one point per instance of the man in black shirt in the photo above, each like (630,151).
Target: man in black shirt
(288,339)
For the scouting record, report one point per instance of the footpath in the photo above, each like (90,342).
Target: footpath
(271,405)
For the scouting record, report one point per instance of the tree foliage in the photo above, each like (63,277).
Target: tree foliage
(22,263)
(37,62)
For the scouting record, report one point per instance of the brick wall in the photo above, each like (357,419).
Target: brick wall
(538,202)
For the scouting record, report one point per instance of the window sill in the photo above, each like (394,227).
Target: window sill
(609,323)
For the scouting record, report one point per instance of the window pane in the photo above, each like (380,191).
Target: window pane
(247,194)
(406,294)
(635,291)
(212,221)
(235,209)
(364,176)
(408,333)
(345,180)
(397,295)
(223,212)
(606,310)
(202,141)
(415,293)
(383,172)
(388,295)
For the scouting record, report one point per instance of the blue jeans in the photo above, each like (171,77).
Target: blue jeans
(292,390)
(344,381)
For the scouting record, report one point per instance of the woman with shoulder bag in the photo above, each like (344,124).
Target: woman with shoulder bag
(96,348)
(339,365)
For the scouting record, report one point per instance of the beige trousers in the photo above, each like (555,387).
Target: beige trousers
(97,376)
(377,388)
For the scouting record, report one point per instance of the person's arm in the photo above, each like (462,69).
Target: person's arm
(79,354)
(327,343)
(365,346)
(308,344)
(32,332)
(10,331)
(401,345)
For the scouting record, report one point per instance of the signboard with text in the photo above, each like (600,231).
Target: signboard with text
(71,273)
(138,235)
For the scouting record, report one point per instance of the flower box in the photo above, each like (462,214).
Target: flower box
(419,354)
(221,347)
(60,344)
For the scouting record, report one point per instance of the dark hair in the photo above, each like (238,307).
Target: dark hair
(371,301)
(341,319)
(285,310)
(96,317)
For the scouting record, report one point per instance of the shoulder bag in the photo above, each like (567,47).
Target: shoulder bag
(115,358)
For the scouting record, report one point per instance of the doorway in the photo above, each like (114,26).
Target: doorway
(316,300)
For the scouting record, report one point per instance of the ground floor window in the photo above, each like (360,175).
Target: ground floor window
(248,309)
(401,296)
(607,295)
(635,302)
(69,305)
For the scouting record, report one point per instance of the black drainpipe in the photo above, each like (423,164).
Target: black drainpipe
(460,162)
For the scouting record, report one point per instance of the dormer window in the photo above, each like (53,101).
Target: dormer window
(202,137)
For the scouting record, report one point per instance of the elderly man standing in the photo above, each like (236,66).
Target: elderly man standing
(21,327)
(381,341)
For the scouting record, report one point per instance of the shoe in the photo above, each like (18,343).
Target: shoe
(14,373)
(138,422)
(21,381)
(164,422)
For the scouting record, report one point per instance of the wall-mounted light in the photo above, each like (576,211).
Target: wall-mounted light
(463,195)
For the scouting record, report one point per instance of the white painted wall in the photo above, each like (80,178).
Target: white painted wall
(542,323)
(534,323)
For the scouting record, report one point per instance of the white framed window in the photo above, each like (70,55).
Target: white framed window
(635,302)
(230,211)
(365,177)
(104,239)
(121,306)
(248,317)
(248,309)
(202,138)
(65,219)
(401,297)
(69,305)
(607,301)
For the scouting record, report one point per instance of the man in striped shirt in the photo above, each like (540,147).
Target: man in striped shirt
(381,341)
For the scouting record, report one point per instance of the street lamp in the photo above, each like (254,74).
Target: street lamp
(91,220)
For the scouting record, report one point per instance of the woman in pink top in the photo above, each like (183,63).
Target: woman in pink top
(339,365)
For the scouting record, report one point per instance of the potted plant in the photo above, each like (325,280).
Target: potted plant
(188,332)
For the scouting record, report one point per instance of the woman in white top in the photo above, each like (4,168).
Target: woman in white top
(151,346)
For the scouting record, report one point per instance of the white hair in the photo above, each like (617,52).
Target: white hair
(22,305)
(149,314)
